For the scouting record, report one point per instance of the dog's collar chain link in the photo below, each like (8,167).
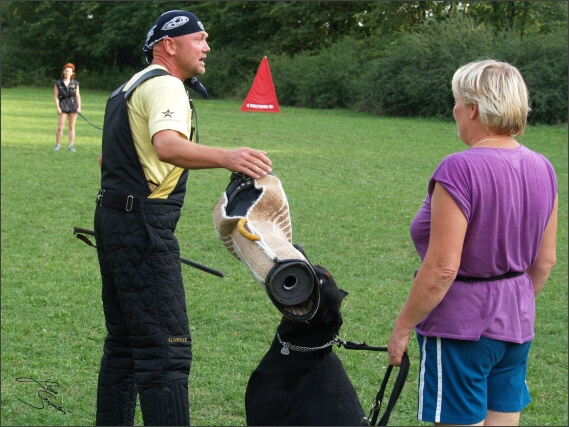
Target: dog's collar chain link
(288,346)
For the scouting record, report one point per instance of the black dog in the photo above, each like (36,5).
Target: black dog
(301,381)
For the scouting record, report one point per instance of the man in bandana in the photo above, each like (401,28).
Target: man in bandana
(149,143)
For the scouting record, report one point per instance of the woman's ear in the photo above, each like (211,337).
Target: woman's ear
(473,111)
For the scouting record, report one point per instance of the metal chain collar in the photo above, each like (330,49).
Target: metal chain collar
(288,346)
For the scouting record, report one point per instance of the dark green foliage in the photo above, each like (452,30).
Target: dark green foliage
(329,79)
(386,57)
(413,76)
(106,79)
(544,67)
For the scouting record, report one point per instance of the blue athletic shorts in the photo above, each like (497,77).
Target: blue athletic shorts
(459,381)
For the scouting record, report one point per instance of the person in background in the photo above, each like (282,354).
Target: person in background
(68,104)
(486,236)
(149,143)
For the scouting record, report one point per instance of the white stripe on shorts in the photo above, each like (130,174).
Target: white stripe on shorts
(422,381)
(439,382)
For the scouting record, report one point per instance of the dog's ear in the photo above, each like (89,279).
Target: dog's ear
(299,249)
(343,294)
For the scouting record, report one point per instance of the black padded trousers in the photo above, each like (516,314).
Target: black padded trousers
(147,351)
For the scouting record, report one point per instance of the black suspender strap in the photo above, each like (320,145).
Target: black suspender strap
(155,73)
(194,129)
(152,73)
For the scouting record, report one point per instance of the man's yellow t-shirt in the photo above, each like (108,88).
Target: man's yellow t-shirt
(161,103)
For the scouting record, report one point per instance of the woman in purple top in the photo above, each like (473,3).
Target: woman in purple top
(486,236)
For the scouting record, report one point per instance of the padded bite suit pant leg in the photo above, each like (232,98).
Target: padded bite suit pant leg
(148,341)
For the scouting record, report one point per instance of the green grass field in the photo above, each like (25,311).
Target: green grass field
(353,182)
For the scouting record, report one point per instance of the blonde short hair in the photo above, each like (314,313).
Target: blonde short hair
(500,92)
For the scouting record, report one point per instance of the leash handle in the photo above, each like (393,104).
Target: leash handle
(77,230)
(397,388)
(80,234)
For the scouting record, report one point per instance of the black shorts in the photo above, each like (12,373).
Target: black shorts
(68,105)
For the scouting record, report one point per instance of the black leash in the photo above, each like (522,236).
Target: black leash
(85,118)
(80,234)
(397,387)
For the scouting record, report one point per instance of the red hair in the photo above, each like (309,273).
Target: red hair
(69,65)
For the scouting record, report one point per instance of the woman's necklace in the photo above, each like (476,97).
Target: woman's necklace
(489,139)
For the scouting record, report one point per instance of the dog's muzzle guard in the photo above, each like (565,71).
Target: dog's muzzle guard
(252,220)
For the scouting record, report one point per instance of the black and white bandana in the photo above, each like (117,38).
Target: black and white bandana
(174,23)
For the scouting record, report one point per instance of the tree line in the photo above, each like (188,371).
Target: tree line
(314,47)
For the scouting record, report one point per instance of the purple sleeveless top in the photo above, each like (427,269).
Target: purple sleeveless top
(507,196)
